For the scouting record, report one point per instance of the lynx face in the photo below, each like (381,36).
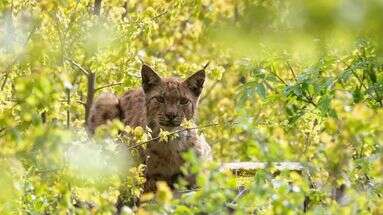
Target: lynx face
(170,100)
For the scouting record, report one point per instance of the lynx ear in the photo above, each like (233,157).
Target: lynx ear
(195,82)
(149,78)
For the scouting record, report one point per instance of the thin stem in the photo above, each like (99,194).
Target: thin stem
(181,130)
(109,85)
(159,15)
(125,14)
(68,110)
(359,80)
(84,71)
(292,71)
(272,71)
(81,102)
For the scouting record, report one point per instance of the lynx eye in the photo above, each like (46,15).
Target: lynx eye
(184,101)
(160,99)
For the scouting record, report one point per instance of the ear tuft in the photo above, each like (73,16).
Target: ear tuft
(195,82)
(149,78)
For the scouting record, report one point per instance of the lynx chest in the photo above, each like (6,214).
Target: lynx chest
(163,158)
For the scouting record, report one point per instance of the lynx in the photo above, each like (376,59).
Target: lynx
(160,104)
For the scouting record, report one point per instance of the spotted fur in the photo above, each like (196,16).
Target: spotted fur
(164,98)
(163,103)
(104,109)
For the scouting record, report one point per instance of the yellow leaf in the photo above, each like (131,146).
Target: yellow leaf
(164,194)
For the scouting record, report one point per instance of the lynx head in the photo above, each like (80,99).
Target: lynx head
(170,100)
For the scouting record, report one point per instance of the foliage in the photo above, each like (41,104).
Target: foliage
(303,80)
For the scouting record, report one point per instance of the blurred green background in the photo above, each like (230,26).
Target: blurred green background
(303,79)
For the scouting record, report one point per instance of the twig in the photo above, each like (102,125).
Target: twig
(159,15)
(181,130)
(68,110)
(91,83)
(109,85)
(240,193)
(292,71)
(308,98)
(125,14)
(378,99)
(81,102)
(276,75)
(270,87)
(84,71)
(188,190)
(360,80)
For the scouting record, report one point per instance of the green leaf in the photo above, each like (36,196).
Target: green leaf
(261,90)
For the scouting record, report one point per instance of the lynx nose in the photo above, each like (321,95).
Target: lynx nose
(171,116)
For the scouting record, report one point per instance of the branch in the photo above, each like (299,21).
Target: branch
(250,166)
(309,100)
(159,15)
(81,102)
(125,14)
(182,130)
(359,80)
(378,99)
(279,78)
(109,85)
(91,85)
(152,18)
(68,110)
(97,7)
(292,71)
(270,87)
(84,71)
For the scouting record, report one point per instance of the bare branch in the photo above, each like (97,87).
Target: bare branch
(249,166)
(109,85)
(84,71)
(91,79)
(81,102)
(159,15)
(68,110)
(182,130)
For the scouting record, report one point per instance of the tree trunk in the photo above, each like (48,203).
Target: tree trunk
(90,94)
